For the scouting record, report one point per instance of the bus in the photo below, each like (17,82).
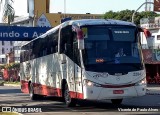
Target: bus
(77,60)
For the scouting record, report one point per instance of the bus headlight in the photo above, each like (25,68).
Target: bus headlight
(90,83)
(141,82)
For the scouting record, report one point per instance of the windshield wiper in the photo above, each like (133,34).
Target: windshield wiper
(137,66)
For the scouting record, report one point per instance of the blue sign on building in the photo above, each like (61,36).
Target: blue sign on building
(19,33)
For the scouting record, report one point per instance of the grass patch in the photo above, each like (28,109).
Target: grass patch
(1,81)
(8,113)
(15,83)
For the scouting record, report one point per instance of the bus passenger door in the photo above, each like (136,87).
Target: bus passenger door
(73,71)
(77,72)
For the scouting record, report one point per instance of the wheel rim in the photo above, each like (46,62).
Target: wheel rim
(31,91)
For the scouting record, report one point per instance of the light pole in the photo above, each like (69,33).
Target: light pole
(64,8)
(138,9)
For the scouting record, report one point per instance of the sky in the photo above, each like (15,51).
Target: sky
(83,6)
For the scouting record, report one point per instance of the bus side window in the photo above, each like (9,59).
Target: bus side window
(66,38)
(52,42)
(22,56)
(49,49)
(75,49)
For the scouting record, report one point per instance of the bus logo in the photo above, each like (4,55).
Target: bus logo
(101,75)
(117,78)
(118,74)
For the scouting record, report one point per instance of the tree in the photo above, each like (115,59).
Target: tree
(8,10)
(126,15)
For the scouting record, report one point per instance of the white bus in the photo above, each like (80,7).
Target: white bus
(82,59)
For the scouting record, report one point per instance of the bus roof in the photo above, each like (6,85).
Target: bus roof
(84,22)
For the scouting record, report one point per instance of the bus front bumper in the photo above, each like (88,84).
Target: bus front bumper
(100,93)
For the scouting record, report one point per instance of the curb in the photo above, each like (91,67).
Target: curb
(10,113)
(1,84)
(12,85)
(153,92)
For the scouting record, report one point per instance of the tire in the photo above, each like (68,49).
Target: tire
(70,102)
(31,92)
(116,101)
(32,95)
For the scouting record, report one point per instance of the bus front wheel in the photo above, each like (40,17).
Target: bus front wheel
(116,101)
(70,102)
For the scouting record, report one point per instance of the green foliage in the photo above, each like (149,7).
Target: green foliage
(11,66)
(14,83)
(126,15)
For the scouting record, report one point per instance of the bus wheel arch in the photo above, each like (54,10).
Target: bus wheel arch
(63,82)
(29,83)
(70,102)
(31,91)
(32,95)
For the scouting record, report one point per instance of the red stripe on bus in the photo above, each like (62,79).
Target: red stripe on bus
(24,86)
(76,95)
(47,90)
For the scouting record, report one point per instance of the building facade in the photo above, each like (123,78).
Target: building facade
(43,17)
(5,48)
(151,48)
(20,21)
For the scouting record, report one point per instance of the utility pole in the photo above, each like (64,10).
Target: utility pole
(139,8)
(148,6)
(156,4)
(64,8)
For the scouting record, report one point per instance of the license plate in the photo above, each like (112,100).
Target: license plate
(118,91)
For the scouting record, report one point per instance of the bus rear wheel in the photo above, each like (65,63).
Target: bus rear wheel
(70,102)
(31,92)
(116,101)
(32,95)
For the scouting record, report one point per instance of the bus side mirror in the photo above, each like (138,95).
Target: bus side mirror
(80,39)
(149,38)
(147,33)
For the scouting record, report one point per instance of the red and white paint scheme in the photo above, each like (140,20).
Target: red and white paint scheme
(76,60)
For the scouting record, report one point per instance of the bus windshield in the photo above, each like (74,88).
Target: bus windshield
(111,49)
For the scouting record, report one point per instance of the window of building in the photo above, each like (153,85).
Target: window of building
(11,50)
(3,52)
(11,43)
(16,48)
(2,43)
(158,37)
(3,60)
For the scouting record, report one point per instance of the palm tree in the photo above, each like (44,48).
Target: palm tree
(8,11)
